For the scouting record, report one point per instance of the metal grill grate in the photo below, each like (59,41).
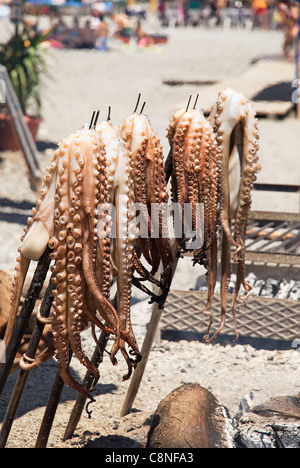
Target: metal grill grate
(273,237)
(261,318)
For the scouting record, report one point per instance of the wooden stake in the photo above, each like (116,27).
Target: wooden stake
(146,348)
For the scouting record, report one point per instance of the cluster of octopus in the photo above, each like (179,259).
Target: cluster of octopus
(86,217)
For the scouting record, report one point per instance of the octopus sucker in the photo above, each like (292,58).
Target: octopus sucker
(194,181)
(78,319)
(235,127)
(121,196)
(34,241)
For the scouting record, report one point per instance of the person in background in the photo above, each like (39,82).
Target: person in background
(162,13)
(288,12)
(73,39)
(87,36)
(142,38)
(102,31)
(181,14)
(260,11)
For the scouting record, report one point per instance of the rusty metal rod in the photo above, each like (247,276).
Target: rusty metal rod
(50,411)
(24,316)
(55,395)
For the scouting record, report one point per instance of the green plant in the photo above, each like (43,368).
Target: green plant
(24,58)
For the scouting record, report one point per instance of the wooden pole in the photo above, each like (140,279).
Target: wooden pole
(25,314)
(146,348)
(81,399)
(23,374)
(139,371)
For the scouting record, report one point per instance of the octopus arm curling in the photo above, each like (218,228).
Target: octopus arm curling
(34,241)
(194,181)
(235,127)
(150,191)
(121,196)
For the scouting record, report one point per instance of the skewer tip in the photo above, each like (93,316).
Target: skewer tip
(137,103)
(188,104)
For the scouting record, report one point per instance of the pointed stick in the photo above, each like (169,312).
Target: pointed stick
(92,120)
(196,100)
(96,119)
(109,111)
(143,106)
(137,103)
(188,104)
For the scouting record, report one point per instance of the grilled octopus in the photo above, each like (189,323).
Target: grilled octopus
(151,198)
(235,127)
(194,168)
(214,161)
(68,220)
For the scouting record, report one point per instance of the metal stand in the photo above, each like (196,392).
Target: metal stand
(23,375)
(24,316)
(58,384)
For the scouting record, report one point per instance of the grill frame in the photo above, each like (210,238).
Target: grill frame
(276,315)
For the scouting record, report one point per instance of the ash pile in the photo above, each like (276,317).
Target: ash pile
(270,287)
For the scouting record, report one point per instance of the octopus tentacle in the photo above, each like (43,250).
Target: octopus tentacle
(29,364)
(121,196)
(150,192)
(61,301)
(235,127)
(196,167)
(249,169)
(94,183)
(34,241)
(77,319)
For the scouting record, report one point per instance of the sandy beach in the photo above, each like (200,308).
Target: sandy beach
(81,82)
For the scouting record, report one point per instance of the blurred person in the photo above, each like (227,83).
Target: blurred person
(288,12)
(61,26)
(220,6)
(123,29)
(87,36)
(162,13)
(143,39)
(102,31)
(73,39)
(121,21)
(260,11)
(181,14)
